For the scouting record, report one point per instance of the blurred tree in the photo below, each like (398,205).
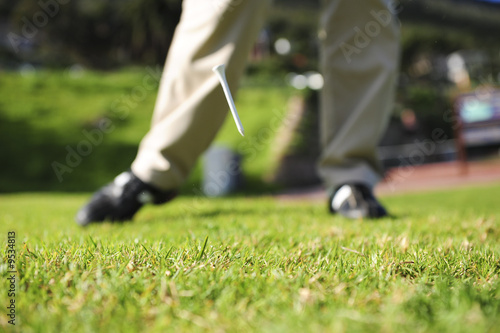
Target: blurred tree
(6,8)
(97,33)
(103,33)
(148,28)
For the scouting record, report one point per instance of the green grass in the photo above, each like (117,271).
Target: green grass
(41,114)
(267,266)
(233,264)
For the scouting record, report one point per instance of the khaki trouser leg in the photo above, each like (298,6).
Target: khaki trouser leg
(191,106)
(360,51)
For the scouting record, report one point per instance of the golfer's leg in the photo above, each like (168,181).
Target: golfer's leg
(191,107)
(360,47)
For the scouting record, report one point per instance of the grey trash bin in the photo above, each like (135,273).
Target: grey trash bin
(221,171)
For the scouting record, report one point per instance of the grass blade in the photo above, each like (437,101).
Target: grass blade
(203,249)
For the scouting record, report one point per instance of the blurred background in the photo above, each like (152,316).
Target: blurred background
(78,82)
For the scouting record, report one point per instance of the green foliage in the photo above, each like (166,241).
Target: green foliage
(472,20)
(109,33)
(246,264)
(96,33)
(432,107)
(148,28)
(299,25)
(429,39)
(44,113)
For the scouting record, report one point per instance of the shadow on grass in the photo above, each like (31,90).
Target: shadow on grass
(28,155)
(198,213)
(36,159)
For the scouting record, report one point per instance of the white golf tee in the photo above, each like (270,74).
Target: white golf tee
(221,74)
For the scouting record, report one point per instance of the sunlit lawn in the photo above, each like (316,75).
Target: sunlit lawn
(266,266)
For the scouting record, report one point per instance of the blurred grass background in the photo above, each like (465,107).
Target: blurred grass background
(43,112)
(84,65)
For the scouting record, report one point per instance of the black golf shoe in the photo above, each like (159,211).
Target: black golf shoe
(121,199)
(355,201)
